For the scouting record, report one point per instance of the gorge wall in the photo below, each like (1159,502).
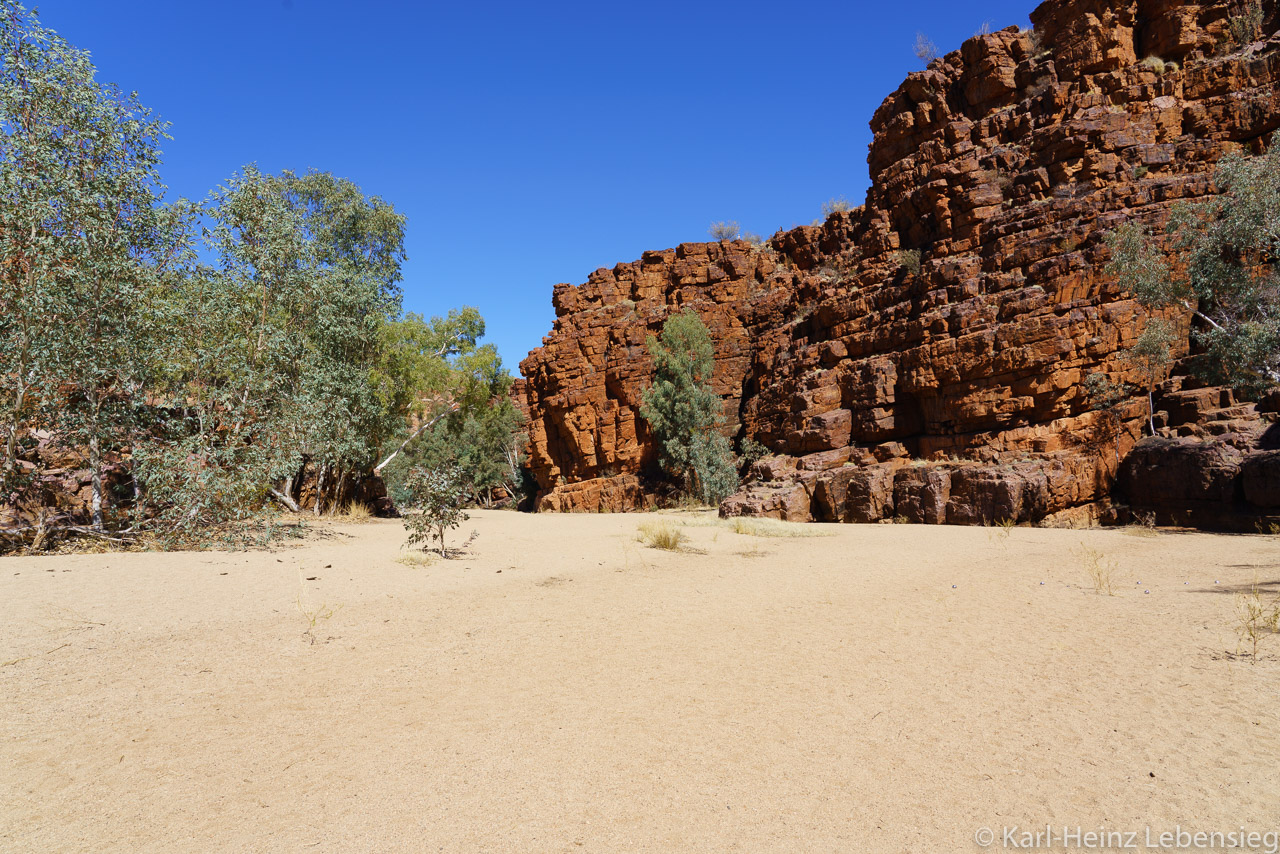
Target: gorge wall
(924,356)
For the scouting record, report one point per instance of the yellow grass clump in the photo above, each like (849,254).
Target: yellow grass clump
(661,535)
(357,512)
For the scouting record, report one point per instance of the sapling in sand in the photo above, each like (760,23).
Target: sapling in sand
(437,497)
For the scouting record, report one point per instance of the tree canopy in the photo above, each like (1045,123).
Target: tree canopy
(1218,261)
(199,357)
(684,412)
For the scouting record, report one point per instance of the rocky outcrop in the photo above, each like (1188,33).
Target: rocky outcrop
(1215,465)
(924,356)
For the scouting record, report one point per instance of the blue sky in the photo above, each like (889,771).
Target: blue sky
(529,143)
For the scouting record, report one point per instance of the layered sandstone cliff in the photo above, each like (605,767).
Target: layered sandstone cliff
(924,355)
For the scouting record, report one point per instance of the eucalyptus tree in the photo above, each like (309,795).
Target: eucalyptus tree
(84,241)
(683,411)
(231,360)
(480,434)
(435,368)
(1219,262)
(350,406)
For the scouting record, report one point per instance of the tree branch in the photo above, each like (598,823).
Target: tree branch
(415,434)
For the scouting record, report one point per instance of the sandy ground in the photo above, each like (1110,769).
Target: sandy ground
(564,689)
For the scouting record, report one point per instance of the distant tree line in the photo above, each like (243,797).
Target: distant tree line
(221,347)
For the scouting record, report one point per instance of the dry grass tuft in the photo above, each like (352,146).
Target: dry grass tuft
(357,512)
(416,559)
(1256,619)
(1100,569)
(750,526)
(661,535)
(1154,63)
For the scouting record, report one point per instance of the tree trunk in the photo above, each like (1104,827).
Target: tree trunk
(95,477)
(19,401)
(415,434)
(286,499)
(320,473)
(1151,410)
(339,478)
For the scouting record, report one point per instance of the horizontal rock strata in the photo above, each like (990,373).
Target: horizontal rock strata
(924,356)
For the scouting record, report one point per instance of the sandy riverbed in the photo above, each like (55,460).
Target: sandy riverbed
(563,689)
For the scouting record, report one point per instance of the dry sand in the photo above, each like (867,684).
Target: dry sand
(565,689)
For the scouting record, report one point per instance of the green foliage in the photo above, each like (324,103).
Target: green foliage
(683,411)
(1247,27)
(751,452)
(1158,65)
(219,371)
(437,497)
(909,260)
(1151,357)
(713,468)
(485,444)
(468,418)
(85,243)
(268,353)
(1103,394)
(1220,264)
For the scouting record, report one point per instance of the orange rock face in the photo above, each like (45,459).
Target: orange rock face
(924,356)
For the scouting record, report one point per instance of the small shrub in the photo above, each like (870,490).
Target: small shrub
(312,615)
(1155,63)
(1140,172)
(984,30)
(724,230)
(1035,42)
(1100,569)
(661,535)
(1247,28)
(909,260)
(1256,619)
(715,475)
(437,497)
(831,206)
(926,50)
(753,238)
(751,452)
(1042,84)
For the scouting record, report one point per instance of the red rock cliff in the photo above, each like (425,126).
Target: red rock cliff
(924,355)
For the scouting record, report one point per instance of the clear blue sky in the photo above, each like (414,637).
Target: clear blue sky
(529,143)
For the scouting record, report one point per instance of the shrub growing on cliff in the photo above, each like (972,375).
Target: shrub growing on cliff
(1247,27)
(926,51)
(683,411)
(909,260)
(831,206)
(1221,265)
(724,230)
